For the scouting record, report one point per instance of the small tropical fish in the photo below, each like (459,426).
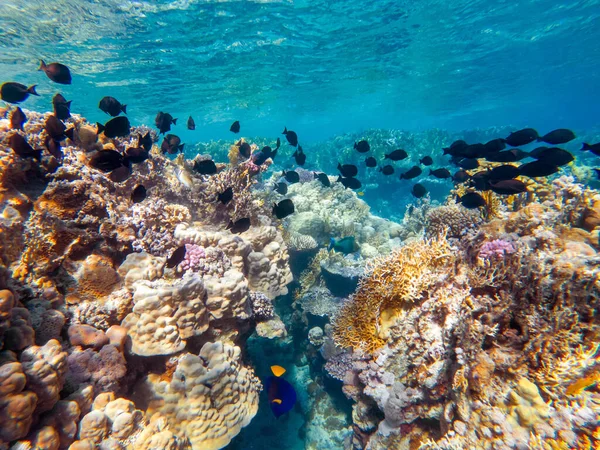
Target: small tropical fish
(239,226)
(472,200)
(522,137)
(145,141)
(176,257)
(455,148)
(53,146)
(426,161)
(191,125)
(281,188)
(323,178)
(411,173)
(508,187)
(62,107)
(112,106)
(136,155)
(106,160)
(387,170)
(556,137)
(57,72)
(117,127)
(347,170)
(291,176)
(16,92)
(552,155)
(291,136)
(283,209)
(361,193)
(300,156)
(225,196)
(139,194)
(244,148)
(537,169)
(440,173)
(594,148)
(468,163)
(269,153)
(505,172)
(351,182)
(513,155)
(22,148)
(281,394)
(205,167)
(371,162)
(396,155)
(55,128)
(419,191)
(171,144)
(17,119)
(345,245)
(480,181)
(460,177)
(362,146)
(260,157)
(495,145)
(120,174)
(163,122)
(235,127)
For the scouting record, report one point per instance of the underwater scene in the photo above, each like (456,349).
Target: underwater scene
(299,225)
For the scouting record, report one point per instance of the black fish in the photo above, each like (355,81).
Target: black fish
(62,107)
(362,146)
(419,190)
(291,136)
(556,137)
(594,148)
(473,151)
(426,161)
(347,170)
(387,170)
(259,158)
(269,153)
(163,122)
(505,172)
(300,156)
(205,167)
(106,160)
(480,181)
(117,127)
(291,176)
(472,200)
(495,146)
(112,106)
(120,174)
(371,162)
(171,144)
(176,257)
(440,173)
(53,146)
(351,183)
(239,226)
(55,128)
(508,187)
(396,155)
(244,148)
(553,155)
(522,137)
(17,119)
(278,144)
(70,133)
(515,154)
(468,164)
(235,127)
(281,188)
(537,168)
(455,148)
(191,125)
(139,194)
(411,173)
(283,209)
(323,178)
(57,72)
(16,92)
(136,155)
(225,196)
(22,148)
(460,177)
(145,141)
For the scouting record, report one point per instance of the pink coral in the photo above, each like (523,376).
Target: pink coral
(496,249)
(104,369)
(206,261)
(194,258)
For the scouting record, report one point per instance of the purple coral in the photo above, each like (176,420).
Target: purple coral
(262,307)
(496,249)
(104,369)
(337,366)
(206,261)
(194,258)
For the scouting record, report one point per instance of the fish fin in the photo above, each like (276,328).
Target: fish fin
(31,90)
(229,225)
(386,157)
(100,127)
(331,244)
(277,370)
(42,65)
(124,109)
(181,148)
(295,154)
(355,145)
(284,130)
(277,400)
(68,104)
(174,121)
(430,171)
(70,133)
(585,146)
(446,150)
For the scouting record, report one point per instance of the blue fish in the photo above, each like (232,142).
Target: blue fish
(281,394)
(345,245)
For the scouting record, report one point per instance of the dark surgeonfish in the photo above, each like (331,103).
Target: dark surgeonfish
(455,148)
(537,169)
(418,190)
(117,127)
(176,257)
(323,178)
(362,146)
(283,209)
(513,155)
(473,151)
(16,92)
(121,173)
(281,188)
(55,128)
(411,173)
(191,125)
(556,137)
(371,162)
(57,72)
(468,163)
(460,177)
(22,148)
(235,127)
(226,196)
(145,141)
(440,173)
(387,170)
(291,136)
(495,146)
(163,122)
(106,160)
(345,245)
(396,155)
(205,167)
(62,107)
(299,156)
(239,226)
(552,155)
(522,137)
(504,172)
(171,144)
(281,394)
(350,182)
(112,106)
(472,200)
(136,155)
(291,176)
(508,187)
(17,119)
(244,148)
(347,170)
(594,148)
(139,194)
(426,161)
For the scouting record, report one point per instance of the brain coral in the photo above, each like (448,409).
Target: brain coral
(209,398)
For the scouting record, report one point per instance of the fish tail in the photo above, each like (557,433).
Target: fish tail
(339,178)
(69,104)
(339,167)
(273,154)
(430,171)
(100,127)
(229,225)
(174,121)
(70,133)
(446,150)
(284,130)
(42,65)
(124,109)
(586,146)
(181,148)
(31,90)
(386,156)
(539,139)
(331,243)
(355,146)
